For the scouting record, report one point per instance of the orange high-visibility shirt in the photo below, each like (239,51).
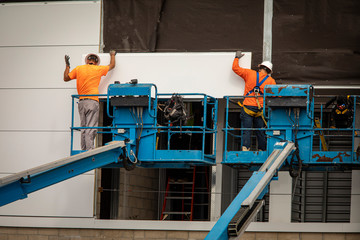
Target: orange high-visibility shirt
(88,79)
(249,77)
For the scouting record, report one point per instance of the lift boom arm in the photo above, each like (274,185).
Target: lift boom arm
(255,188)
(18,186)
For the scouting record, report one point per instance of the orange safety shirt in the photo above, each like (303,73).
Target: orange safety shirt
(249,77)
(88,79)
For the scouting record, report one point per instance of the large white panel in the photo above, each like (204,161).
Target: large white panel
(71,198)
(39,67)
(36,109)
(24,150)
(37,24)
(209,73)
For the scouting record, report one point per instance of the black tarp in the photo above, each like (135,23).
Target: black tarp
(317,41)
(313,41)
(184,26)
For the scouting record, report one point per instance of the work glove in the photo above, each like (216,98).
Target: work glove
(67,58)
(112,52)
(239,54)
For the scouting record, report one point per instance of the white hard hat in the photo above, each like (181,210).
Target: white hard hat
(267,64)
(92,55)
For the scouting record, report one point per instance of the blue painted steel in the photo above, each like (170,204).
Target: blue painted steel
(259,181)
(219,231)
(132,123)
(21,188)
(139,128)
(294,124)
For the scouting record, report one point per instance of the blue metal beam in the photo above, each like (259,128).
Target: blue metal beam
(18,186)
(255,188)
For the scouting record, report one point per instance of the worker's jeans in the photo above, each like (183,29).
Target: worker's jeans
(248,121)
(89,117)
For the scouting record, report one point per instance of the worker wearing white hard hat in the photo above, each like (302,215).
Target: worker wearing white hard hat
(88,77)
(268,65)
(251,112)
(92,58)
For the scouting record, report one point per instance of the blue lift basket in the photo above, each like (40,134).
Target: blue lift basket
(135,110)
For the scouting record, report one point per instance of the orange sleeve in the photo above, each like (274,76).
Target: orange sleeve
(242,72)
(104,70)
(73,73)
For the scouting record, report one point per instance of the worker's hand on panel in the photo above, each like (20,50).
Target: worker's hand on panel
(67,60)
(112,52)
(239,54)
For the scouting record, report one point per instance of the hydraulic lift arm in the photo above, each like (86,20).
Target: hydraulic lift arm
(243,205)
(19,185)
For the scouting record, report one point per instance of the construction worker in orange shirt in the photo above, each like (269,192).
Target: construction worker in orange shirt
(88,78)
(251,113)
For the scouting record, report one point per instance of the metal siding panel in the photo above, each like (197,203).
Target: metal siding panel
(49,23)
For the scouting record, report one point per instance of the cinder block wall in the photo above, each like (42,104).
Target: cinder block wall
(139,191)
(16,233)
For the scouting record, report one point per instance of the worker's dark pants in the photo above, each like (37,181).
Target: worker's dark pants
(89,117)
(248,121)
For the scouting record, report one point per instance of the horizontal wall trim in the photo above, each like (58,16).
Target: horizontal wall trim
(33,130)
(5,88)
(49,45)
(93,223)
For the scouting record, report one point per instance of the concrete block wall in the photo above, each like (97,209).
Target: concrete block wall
(16,233)
(139,189)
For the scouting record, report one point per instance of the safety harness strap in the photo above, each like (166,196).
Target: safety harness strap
(252,113)
(256,89)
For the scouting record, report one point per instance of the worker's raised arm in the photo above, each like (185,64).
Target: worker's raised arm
(67,69)
(112,59)
(235,67)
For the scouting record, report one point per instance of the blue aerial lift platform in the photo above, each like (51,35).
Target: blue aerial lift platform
(291,130)
(136,128)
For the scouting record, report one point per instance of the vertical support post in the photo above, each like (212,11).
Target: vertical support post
(280,199)
(217,171)
(267,38)
(355,197)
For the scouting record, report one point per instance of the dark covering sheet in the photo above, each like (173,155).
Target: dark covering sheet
(317,42)
(313,41)
(184,26)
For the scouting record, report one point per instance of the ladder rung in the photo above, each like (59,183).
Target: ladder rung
(180,182)
(197,204)
(168,213)
(179,198)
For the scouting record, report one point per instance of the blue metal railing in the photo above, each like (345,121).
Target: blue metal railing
(230,132)
(204,129)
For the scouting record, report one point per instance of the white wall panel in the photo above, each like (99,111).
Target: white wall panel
(39,67)
(36,109)
(71,198)
(70,23)
(36,102)
(280,199)
(24,150)
(209,73)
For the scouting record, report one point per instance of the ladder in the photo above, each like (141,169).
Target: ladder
(181,196)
